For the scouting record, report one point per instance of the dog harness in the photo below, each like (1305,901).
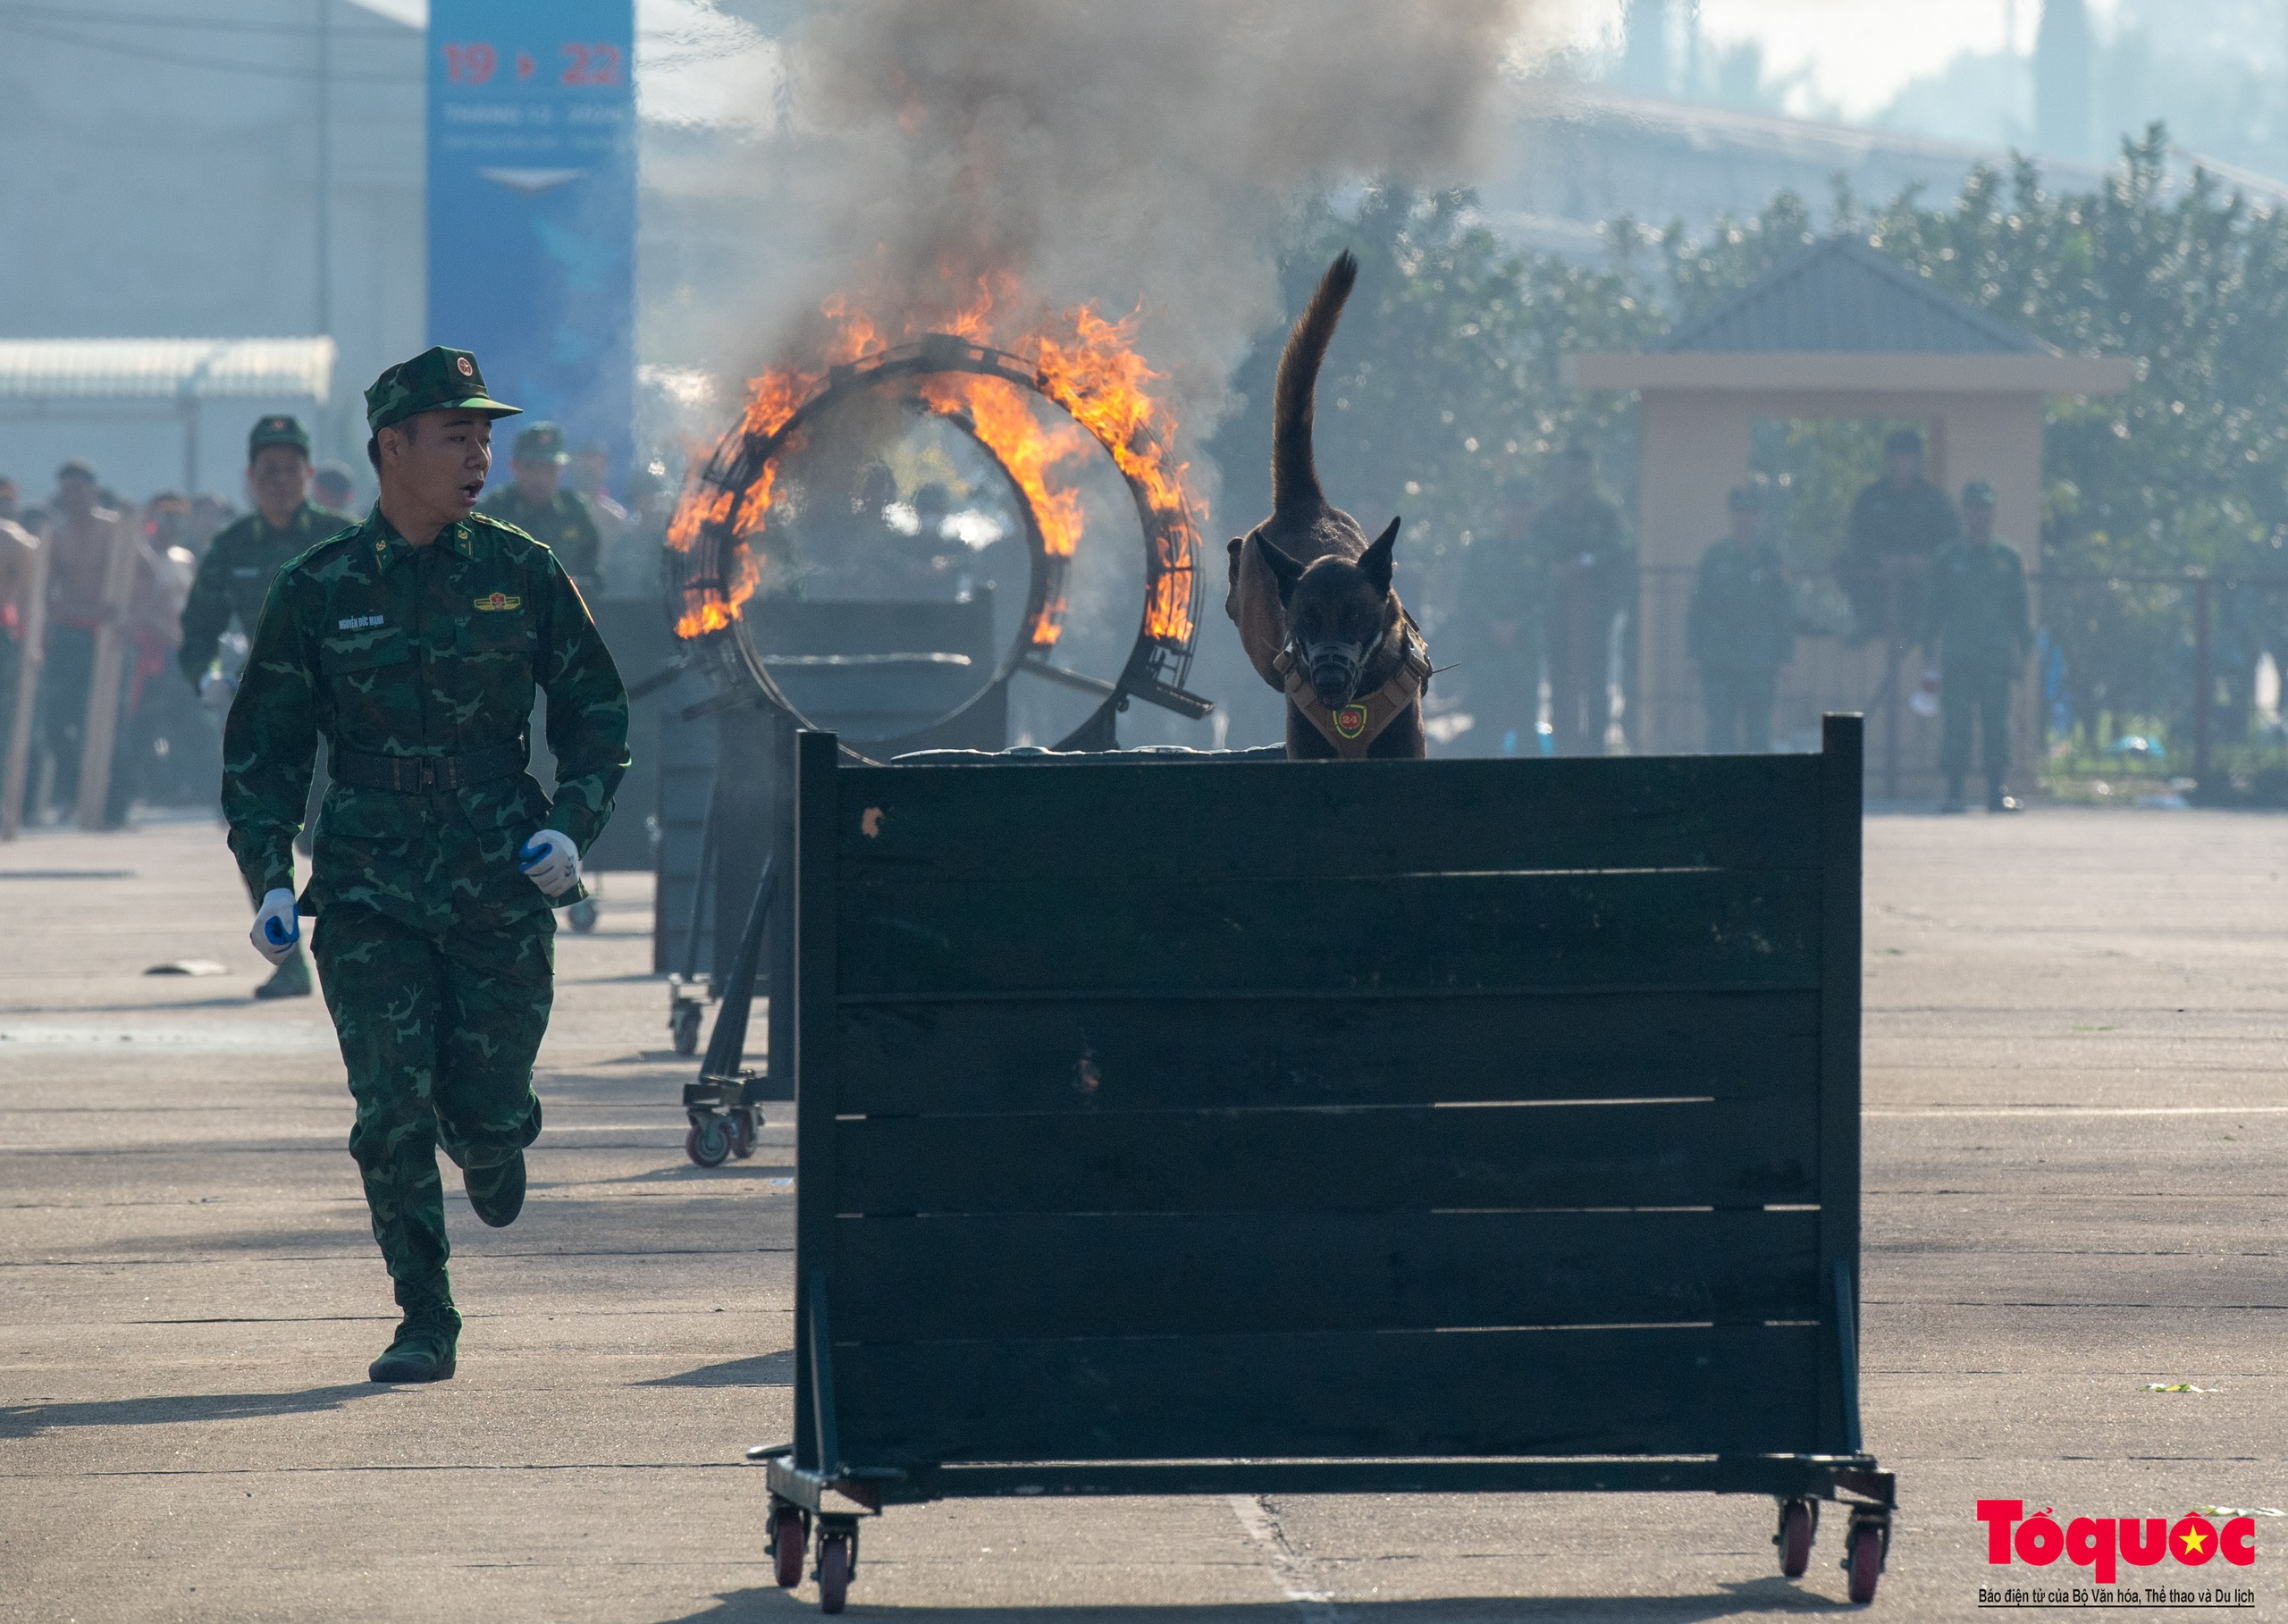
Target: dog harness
(1351,728)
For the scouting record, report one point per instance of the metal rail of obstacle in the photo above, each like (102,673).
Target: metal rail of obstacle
(1173,1127)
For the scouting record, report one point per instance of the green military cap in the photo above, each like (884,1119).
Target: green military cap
(1746,498)
(436,380)
(541,442)
(1978,493)
(277,431)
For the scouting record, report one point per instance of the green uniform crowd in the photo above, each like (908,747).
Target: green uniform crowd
(1546,614)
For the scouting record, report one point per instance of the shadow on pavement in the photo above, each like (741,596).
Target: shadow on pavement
(765,1370)
(1770,1596)
(689,1173)
(29,1420)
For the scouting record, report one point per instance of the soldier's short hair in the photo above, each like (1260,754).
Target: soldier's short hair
(403,426)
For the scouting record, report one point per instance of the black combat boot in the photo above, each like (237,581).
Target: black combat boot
(496,1193)
(1954,802)
(427,1340)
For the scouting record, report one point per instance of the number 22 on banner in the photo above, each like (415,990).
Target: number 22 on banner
(591,65)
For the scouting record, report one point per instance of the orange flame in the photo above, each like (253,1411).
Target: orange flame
(1096,374)
(1101,380)
(1007,425)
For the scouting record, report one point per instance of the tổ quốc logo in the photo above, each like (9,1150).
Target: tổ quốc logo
(2176,1556)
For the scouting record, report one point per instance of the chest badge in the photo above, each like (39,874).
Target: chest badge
(498,601)
(1350,720)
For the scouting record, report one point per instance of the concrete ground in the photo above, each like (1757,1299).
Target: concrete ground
(2074,1172)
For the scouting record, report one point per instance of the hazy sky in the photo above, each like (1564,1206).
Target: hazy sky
(1860,51)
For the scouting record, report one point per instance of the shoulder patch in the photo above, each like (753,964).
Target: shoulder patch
(309,558)
(482,520)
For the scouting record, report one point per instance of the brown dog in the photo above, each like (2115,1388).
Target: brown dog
(1311,595)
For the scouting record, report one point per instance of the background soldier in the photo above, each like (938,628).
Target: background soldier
(1741,628)
(1898,525)
(334,486)
(535,503)
(19,622)
(1976,622)
(83,533)
(413,644)
(234,577)
(1590,577)
(588,475)
(1498,617)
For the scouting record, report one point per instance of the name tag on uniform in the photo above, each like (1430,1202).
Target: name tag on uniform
(358,623)
(499,600)
(248,572)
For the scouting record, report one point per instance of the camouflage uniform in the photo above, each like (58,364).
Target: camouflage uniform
(1895,531)
(1976,619)
(419,666)
(1590,572)
(1501,586)
(564,521)
(1741,628)
(235,575)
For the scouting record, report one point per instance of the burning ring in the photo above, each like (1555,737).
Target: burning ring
(713,572)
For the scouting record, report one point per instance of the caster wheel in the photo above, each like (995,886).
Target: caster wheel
(685,1024)
(788,1538)
(834,1571)
(1864,1559)
(708,1142)
(583,915)
(746,1123)
(1794,1539)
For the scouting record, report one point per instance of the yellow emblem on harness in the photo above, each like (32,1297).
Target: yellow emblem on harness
(499,600)
(1350,720)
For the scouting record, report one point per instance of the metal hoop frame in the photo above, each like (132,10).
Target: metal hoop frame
(1157,666)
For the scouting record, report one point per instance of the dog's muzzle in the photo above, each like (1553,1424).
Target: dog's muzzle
(1335,669)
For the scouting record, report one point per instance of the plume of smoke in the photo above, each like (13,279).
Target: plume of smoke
(1127,153)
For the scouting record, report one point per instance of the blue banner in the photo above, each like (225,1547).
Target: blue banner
(532,205)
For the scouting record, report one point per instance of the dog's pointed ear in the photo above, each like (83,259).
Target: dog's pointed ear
(1283,569)
(1374,563)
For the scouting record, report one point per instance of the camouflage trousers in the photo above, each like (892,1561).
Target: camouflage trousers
(438,1033)
(1984,695)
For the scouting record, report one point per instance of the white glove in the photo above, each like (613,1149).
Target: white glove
(277,927)
(216,691)
(551,861)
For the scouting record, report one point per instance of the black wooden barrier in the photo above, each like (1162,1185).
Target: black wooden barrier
(1457,1125)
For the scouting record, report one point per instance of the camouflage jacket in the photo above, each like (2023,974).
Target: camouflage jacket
(1741,616)
(1913,518)
(565,525)
(234,577)
(1584,557)
(388,649)
(1975,616)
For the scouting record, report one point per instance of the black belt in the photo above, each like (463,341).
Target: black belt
(415,775)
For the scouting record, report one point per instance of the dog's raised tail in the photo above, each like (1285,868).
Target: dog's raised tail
(1294,476)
